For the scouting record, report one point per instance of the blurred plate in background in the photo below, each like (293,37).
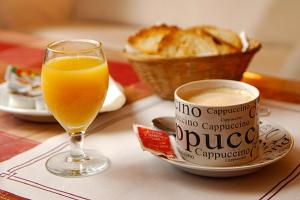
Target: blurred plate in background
(115,99)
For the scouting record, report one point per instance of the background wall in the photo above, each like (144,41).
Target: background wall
(270,20)
(26,14)
(273,22)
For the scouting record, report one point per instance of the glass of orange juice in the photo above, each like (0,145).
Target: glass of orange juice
(74,84)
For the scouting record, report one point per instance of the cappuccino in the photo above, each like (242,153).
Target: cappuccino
(220,96)
(217,122)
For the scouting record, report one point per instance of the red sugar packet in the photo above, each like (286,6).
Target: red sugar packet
(155,141)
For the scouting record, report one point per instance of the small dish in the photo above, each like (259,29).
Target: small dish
(275,143)
(115,99)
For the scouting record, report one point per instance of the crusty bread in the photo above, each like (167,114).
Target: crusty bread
(224,36)
(171,41)
(223,48)
(147,40)
(184,43)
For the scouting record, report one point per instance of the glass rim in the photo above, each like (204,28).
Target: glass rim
(98,45)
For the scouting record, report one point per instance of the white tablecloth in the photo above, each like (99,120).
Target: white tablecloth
(135,174)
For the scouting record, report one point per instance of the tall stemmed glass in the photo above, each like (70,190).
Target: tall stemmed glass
(74,84)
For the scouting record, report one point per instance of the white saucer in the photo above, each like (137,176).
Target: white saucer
(275,143)
(115,99)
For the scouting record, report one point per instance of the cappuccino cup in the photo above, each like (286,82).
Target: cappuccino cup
(217,122)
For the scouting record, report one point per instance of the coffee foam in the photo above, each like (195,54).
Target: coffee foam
(219,96)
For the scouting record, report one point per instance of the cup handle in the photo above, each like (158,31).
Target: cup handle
(264,111)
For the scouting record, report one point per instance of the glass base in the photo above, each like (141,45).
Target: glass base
(63,164)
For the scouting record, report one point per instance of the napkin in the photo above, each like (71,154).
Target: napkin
(135,174)
(115,97)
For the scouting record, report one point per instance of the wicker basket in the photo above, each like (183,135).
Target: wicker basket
(164,75)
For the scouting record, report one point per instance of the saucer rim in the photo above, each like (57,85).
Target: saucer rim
(246,166)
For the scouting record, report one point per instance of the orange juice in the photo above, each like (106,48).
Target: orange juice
(74,89)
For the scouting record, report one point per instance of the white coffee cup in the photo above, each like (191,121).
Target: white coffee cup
(217,122)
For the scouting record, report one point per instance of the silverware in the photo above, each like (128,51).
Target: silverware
(165,123)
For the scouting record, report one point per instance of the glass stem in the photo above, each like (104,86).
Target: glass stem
(76,143)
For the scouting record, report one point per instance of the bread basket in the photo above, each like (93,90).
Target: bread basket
(164,75)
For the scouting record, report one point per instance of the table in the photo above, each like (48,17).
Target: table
(29,51)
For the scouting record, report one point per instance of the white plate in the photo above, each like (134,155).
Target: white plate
(115,99)
(275,143)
